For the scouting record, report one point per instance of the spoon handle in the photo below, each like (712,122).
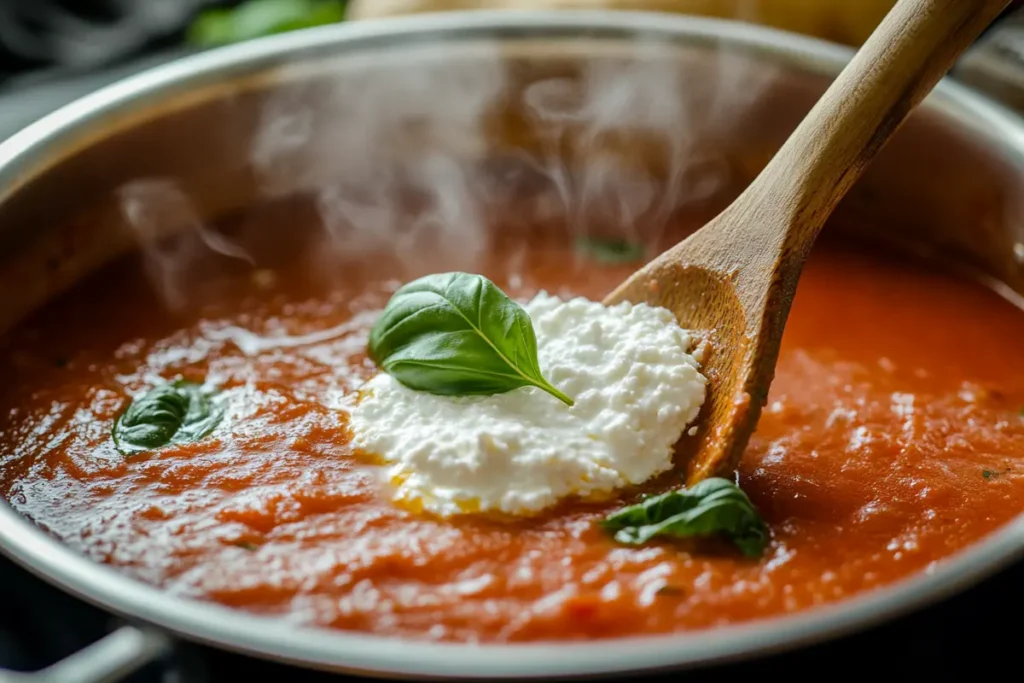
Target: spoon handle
(908,53)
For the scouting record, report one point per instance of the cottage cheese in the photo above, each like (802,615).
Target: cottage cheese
(636,386)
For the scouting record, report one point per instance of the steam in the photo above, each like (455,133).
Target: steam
(175,242)
(647,101)
(410,153)
(391,160)
(645,95)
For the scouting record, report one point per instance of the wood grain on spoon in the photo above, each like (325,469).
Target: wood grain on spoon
(734,279)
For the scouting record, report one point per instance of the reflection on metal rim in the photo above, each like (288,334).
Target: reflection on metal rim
(24,154)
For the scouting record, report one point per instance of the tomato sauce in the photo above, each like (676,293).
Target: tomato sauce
(892,438)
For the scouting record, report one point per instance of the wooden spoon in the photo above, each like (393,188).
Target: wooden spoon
(734,279)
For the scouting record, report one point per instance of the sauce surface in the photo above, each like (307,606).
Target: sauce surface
(891,439)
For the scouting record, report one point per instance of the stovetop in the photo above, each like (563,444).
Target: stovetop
(966,636)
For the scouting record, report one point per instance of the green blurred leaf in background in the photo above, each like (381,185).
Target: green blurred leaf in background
(256,18)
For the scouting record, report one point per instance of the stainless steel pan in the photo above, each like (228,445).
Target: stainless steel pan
(951,184)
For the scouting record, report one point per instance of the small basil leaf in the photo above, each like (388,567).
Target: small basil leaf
(457,334)
(255,18)
(610,250)
(713,506)
(177,412)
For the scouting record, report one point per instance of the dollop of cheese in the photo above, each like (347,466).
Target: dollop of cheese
(636,385)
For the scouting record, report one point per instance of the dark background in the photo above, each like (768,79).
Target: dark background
(63,37)
(54,50)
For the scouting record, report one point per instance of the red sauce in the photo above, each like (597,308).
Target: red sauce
(891,439)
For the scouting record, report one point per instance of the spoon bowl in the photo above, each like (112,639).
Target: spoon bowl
(708,304)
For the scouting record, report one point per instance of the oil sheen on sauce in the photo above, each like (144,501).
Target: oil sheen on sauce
(890,440)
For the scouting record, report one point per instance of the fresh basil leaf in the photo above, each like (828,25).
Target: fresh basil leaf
(212,28)
(713,506)
(255,18)
(610,250)
(458,334)
(177,412)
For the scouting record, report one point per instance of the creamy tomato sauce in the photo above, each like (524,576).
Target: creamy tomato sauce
(891,439)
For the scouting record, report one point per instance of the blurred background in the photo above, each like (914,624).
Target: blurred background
(52,51)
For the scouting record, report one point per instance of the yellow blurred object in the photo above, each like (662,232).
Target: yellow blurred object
(841,21)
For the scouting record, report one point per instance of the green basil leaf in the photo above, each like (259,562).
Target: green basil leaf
(457,334)
(713,506)
(610,250)
(255,18)
(177,412)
